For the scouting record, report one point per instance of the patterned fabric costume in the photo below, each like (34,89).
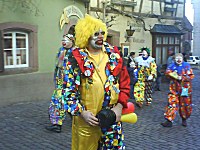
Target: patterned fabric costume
(143,87)
(57,113)
(179,97)
(86,87)
(56,109)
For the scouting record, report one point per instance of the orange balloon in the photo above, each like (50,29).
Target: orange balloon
(130,108)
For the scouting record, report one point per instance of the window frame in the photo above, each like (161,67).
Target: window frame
(165,46)
(31,31)
(14,49)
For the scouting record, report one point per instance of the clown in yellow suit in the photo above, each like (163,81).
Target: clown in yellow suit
(94,79)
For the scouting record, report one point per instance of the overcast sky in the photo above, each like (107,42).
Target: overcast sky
(189,12)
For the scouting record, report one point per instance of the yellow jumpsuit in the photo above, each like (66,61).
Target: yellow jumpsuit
(85,136)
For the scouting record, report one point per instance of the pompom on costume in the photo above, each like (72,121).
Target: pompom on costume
(92,83)
(146,69)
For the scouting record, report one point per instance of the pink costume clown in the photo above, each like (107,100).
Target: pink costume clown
(180,91)
(146,74)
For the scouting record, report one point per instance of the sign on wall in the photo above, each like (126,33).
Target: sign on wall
(67,13)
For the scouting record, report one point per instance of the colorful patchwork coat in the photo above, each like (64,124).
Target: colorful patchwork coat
(81,87)
(180,91)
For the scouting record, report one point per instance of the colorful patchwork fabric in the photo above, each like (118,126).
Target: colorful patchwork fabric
(56,109)
(143,88)
(67,95)
(180,91)
(112,138)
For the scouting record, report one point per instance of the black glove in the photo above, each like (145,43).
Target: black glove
(106,118)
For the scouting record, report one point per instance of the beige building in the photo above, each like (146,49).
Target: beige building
(158,25)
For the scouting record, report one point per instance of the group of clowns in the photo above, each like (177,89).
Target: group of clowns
(92,85)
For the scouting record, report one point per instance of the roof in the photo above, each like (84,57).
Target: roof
(186,24)
(165,29)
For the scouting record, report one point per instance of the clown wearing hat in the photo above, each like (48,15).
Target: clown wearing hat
(146,75)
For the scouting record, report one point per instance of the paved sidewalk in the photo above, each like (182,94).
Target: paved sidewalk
(22,126)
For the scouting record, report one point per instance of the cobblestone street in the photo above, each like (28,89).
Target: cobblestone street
(22,126)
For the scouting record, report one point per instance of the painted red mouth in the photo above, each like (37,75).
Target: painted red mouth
(99,42)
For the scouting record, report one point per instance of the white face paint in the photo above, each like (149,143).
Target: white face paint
(144,53)
(96,41)
(66,42)
(179,60)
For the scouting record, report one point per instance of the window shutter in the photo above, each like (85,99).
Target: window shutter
(1,53)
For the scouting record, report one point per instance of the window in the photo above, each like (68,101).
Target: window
(158,40)
(162,43)
(158,55)
(165,40)
(171,40)
(18,48)
(15,49)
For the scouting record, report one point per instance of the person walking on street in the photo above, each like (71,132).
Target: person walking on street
(159,78)
(131,58)
(95,88)
(56,111)
(180,95)
(133,73)
(170,59)
(146,74)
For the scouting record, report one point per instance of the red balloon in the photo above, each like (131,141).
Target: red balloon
(130,108)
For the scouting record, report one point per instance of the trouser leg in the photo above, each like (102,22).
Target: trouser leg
(113,138)
(172,107)
(185,105)
(131,91)
(56,111)
(148,91)
(139,89)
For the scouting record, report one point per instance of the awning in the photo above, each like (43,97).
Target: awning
(166,29)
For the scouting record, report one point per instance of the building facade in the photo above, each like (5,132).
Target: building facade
(30,36)
(159,25)
(31,33)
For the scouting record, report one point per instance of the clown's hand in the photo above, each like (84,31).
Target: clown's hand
(179,77)
(150,78)
(89,118)
(118,111)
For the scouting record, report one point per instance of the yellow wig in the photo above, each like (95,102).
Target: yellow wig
(85,28)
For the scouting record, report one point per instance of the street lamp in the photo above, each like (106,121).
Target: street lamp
(87,2)
(130,32)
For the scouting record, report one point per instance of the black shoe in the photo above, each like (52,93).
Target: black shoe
(167,124)
(184,123)
(157,89)
(54,128)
